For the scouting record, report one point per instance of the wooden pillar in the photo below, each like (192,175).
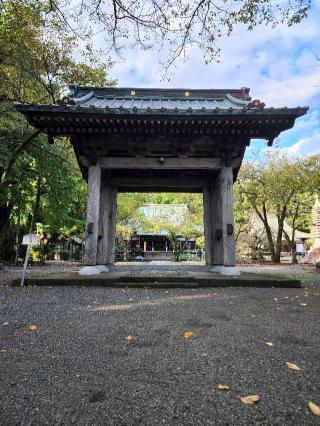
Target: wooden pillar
(103,223)
(207,225)
(223,219)
(94,182)
(112,226)
(107,224)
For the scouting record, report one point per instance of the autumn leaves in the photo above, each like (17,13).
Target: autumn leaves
(250,399)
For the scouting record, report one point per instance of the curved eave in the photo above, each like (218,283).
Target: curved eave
(71,120)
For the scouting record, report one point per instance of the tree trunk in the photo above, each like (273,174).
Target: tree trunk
(281,218)
(18,234)
(36,205)
(294,254)
(5,180)
(6,235)
(269,235)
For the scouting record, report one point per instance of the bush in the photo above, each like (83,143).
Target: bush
(77,254)
(64,255)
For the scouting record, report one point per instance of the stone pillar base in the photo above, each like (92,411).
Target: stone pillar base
(226,270)
(93,270)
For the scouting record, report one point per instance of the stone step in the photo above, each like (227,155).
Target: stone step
(156,284)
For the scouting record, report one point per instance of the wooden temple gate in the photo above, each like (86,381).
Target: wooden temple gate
(149,140)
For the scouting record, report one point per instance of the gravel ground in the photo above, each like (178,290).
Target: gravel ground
(9,273)
(79,368)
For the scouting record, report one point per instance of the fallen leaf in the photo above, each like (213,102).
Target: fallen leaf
(32,327)
(250,399)
(3,350)
(314,408)
(292,366)
(269,343)
(204,354)
(129,338)
(303,304)
(222,386)
(187,334)
(6,323)
(275,299)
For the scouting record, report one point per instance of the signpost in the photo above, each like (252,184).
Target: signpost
(28,240)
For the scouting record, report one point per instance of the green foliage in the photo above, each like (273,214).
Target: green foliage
(39,181)
(278,185)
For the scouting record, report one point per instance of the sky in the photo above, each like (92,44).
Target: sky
(279,65)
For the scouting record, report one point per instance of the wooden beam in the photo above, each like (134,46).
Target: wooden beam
(181,182)
(161,163)
(176,189)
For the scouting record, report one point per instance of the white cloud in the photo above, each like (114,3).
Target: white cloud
(307,146)
(278,64)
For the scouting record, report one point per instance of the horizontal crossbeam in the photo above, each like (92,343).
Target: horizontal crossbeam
(143,163)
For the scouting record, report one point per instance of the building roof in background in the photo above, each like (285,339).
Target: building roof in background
(273,222)
(172,213)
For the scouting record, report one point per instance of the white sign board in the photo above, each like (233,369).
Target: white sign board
(30,240)
(300,248)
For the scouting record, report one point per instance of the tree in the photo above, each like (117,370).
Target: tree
(37,62)
(178,25)
(272,184)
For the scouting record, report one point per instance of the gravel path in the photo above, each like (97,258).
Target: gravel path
(9,273)
(79,368)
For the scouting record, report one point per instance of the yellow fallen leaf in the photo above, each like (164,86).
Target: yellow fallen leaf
(204,354)
(188,334)
(292,366)
(3,350)
(314,408)
(32,327)
(275,299)
(250,399)
(269,343)
(222,386)
(6,323)
(129,338)
(303,304)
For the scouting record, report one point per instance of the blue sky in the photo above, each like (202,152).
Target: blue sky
(279,65)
